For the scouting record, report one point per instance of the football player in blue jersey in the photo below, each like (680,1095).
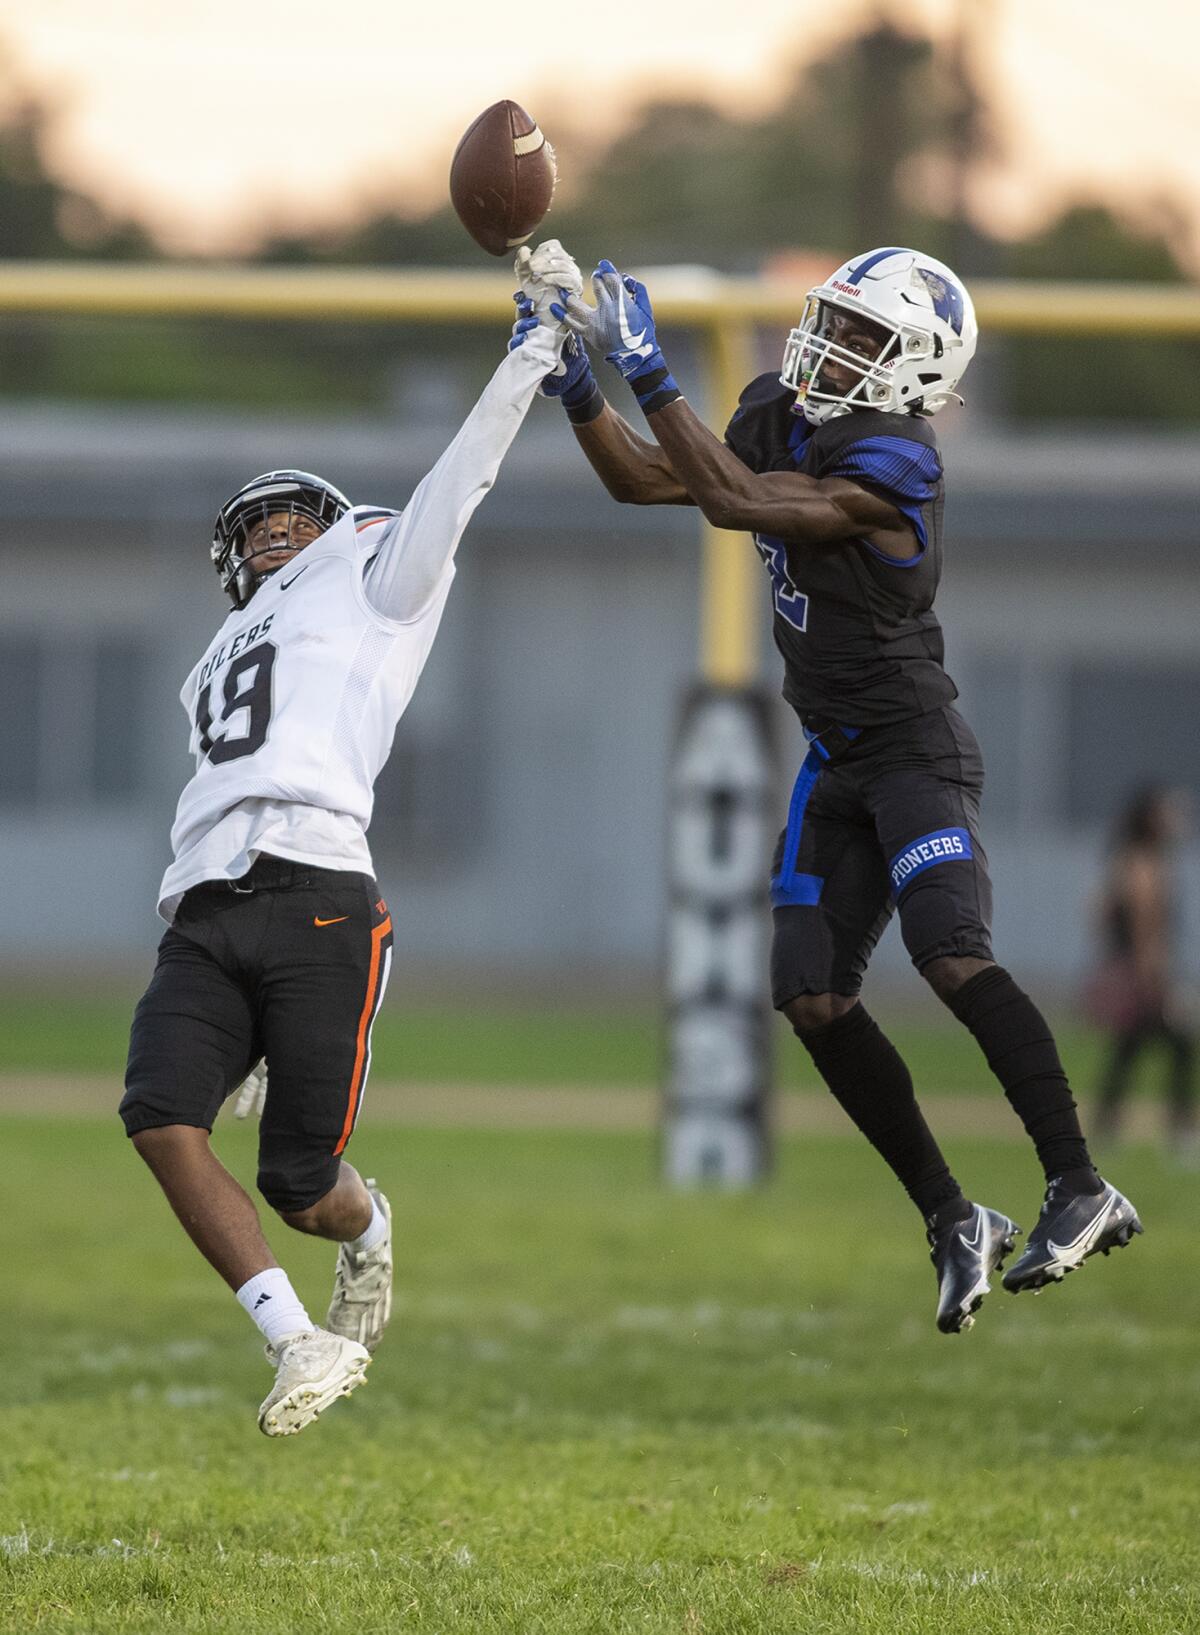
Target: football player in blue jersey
(833,467)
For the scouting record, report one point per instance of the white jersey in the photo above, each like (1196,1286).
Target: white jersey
(294,705)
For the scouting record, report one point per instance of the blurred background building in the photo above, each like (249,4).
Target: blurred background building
(519,828)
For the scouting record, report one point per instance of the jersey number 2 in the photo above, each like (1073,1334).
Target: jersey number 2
(239,694)
(790,604)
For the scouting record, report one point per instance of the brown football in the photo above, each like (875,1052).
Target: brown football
(502,178)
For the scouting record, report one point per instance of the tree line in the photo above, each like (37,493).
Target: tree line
(875,142)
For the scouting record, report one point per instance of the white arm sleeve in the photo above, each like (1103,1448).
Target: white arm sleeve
(418,547)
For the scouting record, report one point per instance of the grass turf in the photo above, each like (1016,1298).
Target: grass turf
(601,1409)
(523,1045)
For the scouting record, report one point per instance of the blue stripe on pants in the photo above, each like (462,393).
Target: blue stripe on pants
(789,889)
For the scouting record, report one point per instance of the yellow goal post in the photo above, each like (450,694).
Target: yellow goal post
(724,312)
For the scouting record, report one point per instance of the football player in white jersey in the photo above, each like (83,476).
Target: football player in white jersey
(278,941)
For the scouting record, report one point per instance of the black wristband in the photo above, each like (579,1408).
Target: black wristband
(647,385)
(582,414)
(655,389)
(651,405)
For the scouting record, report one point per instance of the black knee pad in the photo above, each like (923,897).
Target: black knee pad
(292,1180)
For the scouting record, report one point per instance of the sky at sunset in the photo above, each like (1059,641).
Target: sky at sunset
(212,118)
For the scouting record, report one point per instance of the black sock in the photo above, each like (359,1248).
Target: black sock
(1014,1036)
(868,1078)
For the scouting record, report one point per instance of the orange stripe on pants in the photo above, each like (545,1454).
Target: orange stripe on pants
(364,1029)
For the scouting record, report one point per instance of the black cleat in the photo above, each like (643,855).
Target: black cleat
(965,1254)
(1072,1226)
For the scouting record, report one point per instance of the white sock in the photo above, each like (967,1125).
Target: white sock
(274,1305)
(374,1232)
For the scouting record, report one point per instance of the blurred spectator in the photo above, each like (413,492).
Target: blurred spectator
(1132,993)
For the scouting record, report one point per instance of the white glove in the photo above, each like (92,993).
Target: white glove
(552,286)
(252,1097)
(551,294)
(547,273)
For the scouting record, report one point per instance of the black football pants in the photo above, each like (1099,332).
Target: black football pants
(891,824)
(289,963)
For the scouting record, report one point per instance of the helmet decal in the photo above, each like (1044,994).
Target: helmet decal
(855,275)
(946,297)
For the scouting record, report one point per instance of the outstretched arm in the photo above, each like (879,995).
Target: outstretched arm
(420,545)
(632,469)
(786,504)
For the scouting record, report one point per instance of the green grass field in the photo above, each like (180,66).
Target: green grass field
(601,1409)
(515,1044)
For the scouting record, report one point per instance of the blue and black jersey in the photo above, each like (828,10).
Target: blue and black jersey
(860,641)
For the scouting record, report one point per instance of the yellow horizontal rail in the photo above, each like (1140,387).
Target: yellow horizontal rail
(1012,307)
(688,296)
(332,294)
(725,310)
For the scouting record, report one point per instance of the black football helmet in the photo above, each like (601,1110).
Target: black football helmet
(299,493)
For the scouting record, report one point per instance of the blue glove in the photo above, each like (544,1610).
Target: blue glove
(573,382)
(622,327)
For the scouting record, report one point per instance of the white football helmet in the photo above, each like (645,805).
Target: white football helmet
(932,338)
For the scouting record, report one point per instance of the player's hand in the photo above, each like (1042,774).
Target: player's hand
(572,380)
(622,326)
(252,1097)
(547,269)
(552,283)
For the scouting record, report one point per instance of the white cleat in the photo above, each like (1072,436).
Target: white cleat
(312,1370)
(362,1286)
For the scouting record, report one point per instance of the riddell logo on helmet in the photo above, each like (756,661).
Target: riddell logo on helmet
(847,289)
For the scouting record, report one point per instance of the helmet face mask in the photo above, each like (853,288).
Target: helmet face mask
(276,493)
(928,329)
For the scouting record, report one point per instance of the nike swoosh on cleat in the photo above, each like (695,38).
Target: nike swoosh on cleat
(1080,1247)
(975,1247)
(337,920)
